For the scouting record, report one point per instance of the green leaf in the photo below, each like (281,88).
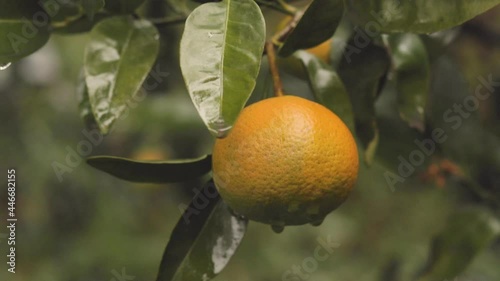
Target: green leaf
(423,16)
(21,33)
(221,51)
(84,107)
(91,7)
(327,87)
(317,24)
(62,12)
(117,59)
(467,233)
(123,6)
(412,73)
(80,25)
(340,39)
(203,241)
(152,171)
(363,71)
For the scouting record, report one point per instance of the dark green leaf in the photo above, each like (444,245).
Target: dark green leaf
(62,12)
(117,59)
(203,241)
(467,233)
(412,73)
(327,87)
(363,70)
(422,16)
(152,171)
(396,137)
(220,55)
(123,6)
(23,29)
(317,24)
(91,7)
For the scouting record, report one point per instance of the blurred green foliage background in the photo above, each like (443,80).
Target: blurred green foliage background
(91,226)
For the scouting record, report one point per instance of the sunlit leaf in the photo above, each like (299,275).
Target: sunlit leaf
(152,171)
(363,70)
(467,233)
(20,33)
(412,73)
(117,59)
(220,55)
(327,87)
(317,24)
(203,241)
(423,16)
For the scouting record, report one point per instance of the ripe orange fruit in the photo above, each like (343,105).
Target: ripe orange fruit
(286,161)
(322,50)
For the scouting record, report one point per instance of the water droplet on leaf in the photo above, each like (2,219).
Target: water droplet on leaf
(220,128)
(277,228)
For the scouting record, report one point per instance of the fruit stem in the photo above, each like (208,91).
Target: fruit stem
(271,56)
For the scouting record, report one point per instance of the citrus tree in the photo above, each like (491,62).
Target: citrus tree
(374,69)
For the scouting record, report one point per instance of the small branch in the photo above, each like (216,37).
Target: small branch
(281,35)
(271,56)
(291,9)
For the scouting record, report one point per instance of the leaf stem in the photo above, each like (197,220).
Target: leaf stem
(271,56)
(291,9)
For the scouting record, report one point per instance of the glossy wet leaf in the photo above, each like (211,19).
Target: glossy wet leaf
(203,241)
(117,59)
(412,73)
(466,234)
(20,36)
(152,171)
(327,87)
(91,7)
(422,16)
(84,107)
(363,71)
(220,56)
(123,6)
(317,24)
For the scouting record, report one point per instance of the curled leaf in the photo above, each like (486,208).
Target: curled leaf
(204,239)
(152,171)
